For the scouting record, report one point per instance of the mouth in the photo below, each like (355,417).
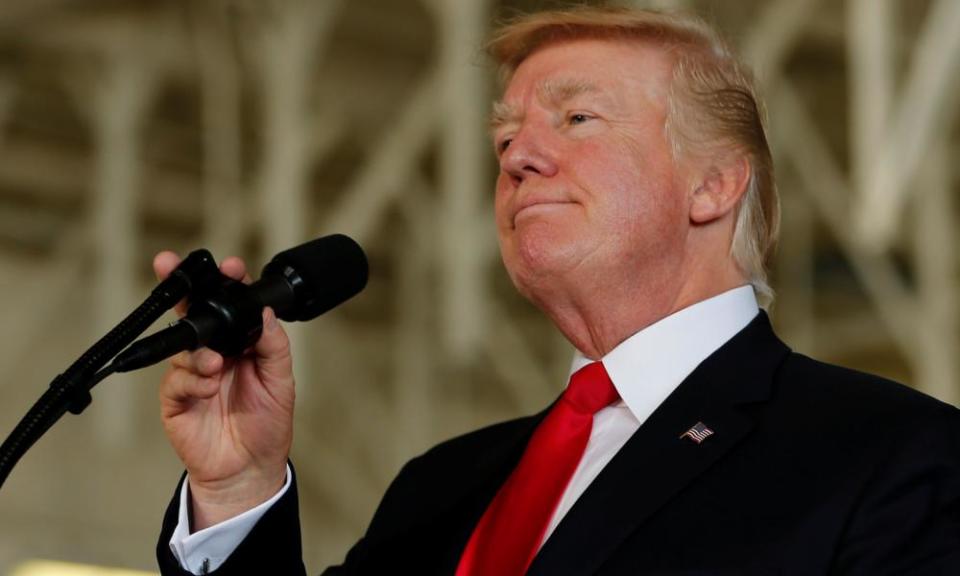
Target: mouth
(541,208)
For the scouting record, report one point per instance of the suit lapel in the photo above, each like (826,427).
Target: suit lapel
(656,463)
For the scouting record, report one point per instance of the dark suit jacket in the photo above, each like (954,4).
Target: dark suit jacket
(812,469)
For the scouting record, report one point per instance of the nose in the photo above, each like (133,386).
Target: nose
(529,153)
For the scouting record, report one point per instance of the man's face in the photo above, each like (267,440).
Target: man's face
(588,194)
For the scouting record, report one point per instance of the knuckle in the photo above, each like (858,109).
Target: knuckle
(180,360)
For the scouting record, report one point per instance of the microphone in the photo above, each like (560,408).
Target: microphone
(299,284)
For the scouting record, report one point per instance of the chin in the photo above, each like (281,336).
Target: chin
(538,260)
(541,246)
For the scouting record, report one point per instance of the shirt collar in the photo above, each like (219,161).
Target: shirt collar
(647,367)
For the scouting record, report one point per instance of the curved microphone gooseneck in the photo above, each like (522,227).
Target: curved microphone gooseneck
(70,391)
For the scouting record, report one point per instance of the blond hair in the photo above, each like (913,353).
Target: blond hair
(712,104)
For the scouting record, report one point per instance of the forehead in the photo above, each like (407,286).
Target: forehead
(571,67)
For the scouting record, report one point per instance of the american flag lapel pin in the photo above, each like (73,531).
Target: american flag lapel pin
(698,433)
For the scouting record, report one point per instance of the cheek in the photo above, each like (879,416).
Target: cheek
(640,198)
(651,167)
(619,178)
(502,194)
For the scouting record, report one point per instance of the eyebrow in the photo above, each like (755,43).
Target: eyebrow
(503,113)
(560,91)
(554,92)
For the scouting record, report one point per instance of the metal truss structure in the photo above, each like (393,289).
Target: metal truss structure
(247,127)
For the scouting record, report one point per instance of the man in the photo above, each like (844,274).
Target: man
(635,206)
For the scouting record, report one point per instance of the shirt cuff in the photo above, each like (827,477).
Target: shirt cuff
(204,551)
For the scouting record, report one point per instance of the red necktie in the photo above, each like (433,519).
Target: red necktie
(510,531)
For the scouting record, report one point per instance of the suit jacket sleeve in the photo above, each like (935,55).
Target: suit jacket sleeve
(272,547)
(274,544)
(908,517)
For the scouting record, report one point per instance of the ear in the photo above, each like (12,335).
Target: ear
(721,186)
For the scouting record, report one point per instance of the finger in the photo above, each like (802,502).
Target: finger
(179,386)
(163,264)
(273,349)
(203,362)
(235,268)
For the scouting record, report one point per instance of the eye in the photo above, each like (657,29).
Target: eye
(578,118)
(503,145)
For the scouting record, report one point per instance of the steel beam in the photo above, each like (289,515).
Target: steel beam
(795,132)
(391,164)
(120,98)
(220,92)
(921,114)
(464,182)
(290,42)
(937,371)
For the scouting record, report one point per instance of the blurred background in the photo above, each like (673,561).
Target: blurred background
(249,126)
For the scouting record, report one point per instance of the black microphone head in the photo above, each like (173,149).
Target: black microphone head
(324,273)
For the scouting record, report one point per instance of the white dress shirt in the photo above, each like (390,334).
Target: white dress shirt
(205,550)
(645,369)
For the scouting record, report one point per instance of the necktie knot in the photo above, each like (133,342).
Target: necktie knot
(590,389)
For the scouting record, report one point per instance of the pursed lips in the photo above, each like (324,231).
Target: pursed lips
(533,202)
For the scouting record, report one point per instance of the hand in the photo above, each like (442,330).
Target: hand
(229,420)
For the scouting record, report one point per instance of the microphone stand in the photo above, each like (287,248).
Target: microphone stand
(70,390)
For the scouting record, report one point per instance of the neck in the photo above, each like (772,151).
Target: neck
(596,321)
